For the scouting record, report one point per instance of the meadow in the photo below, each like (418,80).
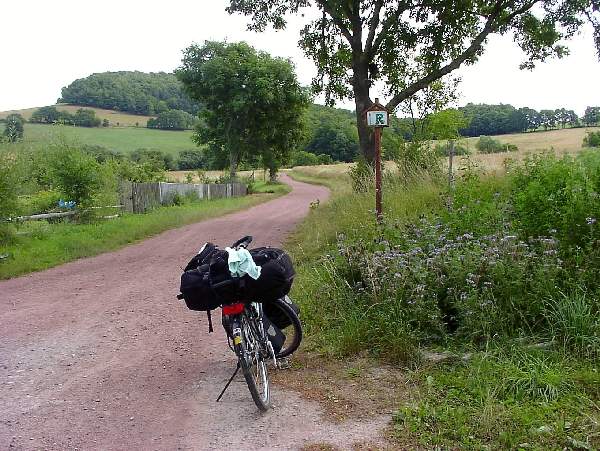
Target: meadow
(122,139)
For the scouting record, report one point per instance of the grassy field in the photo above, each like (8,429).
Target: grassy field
(123,139)
(40,245)
(114,117)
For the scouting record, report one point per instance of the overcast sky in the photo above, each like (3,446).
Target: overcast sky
(46,44)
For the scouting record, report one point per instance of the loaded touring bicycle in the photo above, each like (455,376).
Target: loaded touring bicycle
(260,320)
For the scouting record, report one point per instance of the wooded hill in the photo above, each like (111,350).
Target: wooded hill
(135,92)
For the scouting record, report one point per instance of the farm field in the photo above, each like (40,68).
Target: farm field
(123,139)
(114,117)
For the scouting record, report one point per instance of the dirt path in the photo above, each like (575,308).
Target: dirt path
(98,354)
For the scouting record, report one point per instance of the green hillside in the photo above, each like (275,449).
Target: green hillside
(125,140)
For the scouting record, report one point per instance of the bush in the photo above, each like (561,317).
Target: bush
(13,130)
(173,120)
(9,185)
(443,149)
(76,174)
(157,157)
(558,197)
(487,144)
(191,159)
(592,139)
(303,158)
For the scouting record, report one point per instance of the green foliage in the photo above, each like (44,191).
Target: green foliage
(13,129)
(514,399)
(557,197)
(173,120)
(443,149)
(50,115)
(417,160)
(592,139)
(192,159)
(302,158)
(160,159)
(9,186)
(135,92)
(362,175)
(253,102)
(487,144)
(574,320)
(591,115)
(46,115)
(406,47)
(75,173)
(446,124)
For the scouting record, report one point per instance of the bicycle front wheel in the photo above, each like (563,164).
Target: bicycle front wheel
(253,363)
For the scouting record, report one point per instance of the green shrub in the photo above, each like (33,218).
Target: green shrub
(9,185)
(557,197)
(487,144)
(303,158)
(443,149)
(592,139)
(76,174)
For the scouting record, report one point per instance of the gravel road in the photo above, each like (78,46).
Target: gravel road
(98,353)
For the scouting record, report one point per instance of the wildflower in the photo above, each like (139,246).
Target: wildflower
(590,221)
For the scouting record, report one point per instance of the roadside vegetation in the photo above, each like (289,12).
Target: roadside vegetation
(63,177)
(486,294)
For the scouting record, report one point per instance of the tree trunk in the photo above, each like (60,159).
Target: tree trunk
(233,163)
(273,174)
(363,101)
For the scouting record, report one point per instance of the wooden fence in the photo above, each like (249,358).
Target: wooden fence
(140,197)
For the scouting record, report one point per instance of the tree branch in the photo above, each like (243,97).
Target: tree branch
(490,27)
(337,20)
(391,19)
(373,26)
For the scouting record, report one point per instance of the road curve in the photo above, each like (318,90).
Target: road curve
(98,354)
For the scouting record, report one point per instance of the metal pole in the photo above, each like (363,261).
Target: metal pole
(378,173)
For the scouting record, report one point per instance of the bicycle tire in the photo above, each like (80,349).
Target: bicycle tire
(262,400)
(295,328)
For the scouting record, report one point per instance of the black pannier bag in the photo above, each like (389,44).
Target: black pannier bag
(274,334)
(276,275)
(209,268)
(277,315)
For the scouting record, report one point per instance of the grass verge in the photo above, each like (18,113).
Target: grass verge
(535,387)
(41,245)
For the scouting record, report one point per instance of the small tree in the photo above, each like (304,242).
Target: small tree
(105,123)
(253,103)
(75,173)
(13,130)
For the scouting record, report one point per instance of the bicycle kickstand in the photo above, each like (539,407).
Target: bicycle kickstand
(237,368)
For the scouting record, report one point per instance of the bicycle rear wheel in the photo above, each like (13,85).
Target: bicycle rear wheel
(293,332)
(253,362)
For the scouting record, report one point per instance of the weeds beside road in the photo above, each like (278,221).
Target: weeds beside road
(487,297)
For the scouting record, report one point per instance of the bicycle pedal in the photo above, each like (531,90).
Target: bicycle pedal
(284,363)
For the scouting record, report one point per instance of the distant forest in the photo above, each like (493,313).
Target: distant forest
(133,92)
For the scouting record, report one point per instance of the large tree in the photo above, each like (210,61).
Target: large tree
(253,102)
(408,44)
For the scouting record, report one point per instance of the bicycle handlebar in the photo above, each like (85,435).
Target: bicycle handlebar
(242,242)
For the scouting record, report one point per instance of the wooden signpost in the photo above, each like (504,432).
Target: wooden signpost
(378,117)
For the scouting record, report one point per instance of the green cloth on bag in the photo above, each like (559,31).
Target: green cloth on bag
(241,263)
